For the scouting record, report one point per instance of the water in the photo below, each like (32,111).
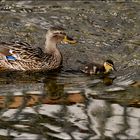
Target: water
(70,104)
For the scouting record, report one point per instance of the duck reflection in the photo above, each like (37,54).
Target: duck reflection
(54,93)
(50,91)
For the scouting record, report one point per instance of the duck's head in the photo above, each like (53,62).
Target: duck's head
(58,35)
(109,66)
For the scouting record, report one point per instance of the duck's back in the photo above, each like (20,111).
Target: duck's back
(22,56)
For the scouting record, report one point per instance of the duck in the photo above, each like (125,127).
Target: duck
(95,68)
(22,56)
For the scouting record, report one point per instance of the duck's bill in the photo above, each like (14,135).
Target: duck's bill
(69,40)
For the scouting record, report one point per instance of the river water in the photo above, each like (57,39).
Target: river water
(69,104)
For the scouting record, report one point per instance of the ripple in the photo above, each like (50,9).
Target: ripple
(115,89)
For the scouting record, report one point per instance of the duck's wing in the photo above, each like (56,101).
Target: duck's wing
(21,56)
(20,51)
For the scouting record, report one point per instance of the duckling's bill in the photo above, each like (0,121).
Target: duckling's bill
(69,40)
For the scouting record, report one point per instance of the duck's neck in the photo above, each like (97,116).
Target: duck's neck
(51,48)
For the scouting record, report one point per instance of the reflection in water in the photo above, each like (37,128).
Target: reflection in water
(73,106)
(49,92)
(107,80)
(53,89)
(34,110)
(48,110)
(113,121)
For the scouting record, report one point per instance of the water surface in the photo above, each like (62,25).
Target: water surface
(69,104)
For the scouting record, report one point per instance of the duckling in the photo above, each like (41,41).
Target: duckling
(24,57)
(94,68)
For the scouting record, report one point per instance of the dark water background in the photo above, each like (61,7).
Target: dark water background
(69,104)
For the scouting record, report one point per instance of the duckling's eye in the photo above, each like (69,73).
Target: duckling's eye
(110,65)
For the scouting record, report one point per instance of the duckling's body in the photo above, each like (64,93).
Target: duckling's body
(94,68)
(22,56)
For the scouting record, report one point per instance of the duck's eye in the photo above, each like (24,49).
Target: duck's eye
(59,33)
(62,33)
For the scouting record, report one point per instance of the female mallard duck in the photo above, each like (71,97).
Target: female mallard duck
(94,68)
(22,56)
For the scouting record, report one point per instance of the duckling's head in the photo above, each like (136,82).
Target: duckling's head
(109,66)
(58,35)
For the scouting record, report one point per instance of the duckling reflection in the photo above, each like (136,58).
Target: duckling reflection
(108,80)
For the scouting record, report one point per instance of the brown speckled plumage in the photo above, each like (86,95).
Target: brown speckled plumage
(94,68)
(26,57)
